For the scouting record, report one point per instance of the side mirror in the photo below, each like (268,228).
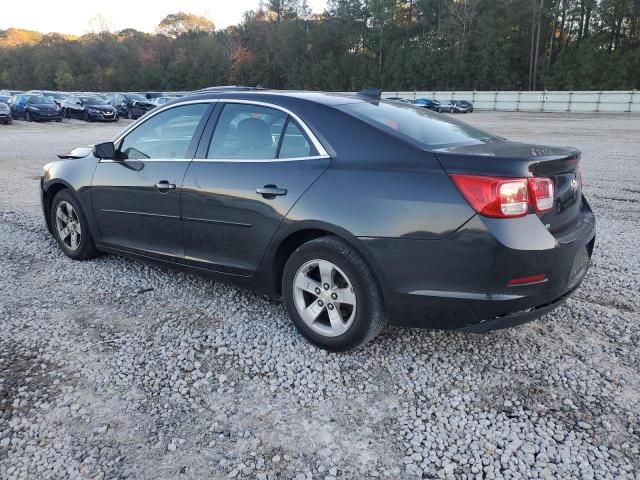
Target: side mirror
(105,150)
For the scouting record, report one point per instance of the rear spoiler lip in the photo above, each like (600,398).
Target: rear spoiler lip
(504,166)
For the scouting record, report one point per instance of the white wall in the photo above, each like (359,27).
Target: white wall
(541,101)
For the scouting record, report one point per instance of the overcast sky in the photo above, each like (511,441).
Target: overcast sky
(75,16)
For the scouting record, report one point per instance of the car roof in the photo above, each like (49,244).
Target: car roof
(324,98)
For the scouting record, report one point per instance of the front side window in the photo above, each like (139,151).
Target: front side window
(166,135)
(247,132)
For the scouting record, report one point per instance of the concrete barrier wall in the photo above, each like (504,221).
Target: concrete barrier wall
(540,101)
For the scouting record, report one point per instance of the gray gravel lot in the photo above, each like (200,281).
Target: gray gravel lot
(117,369)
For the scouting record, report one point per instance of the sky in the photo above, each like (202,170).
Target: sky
(79,16)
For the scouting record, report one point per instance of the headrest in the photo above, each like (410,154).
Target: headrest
(254,133)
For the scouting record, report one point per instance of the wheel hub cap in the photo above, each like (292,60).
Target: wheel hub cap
(68,226)
(324,298)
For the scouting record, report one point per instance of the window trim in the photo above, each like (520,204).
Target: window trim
(321,151)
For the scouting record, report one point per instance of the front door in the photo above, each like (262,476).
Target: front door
(136,198)
(239,188)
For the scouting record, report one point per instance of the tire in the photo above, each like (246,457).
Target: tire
(27,117)
(86,248)
(364,319)
(85,116)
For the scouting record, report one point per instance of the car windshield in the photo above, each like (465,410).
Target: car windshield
(93,101)
(417,124)
(56,95)
(135,96)
(39,99)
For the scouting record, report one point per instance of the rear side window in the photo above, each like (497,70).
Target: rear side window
(166,135)
(294,143)
(417,124)
(246,132)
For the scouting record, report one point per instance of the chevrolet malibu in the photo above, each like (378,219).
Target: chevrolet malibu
(358,212)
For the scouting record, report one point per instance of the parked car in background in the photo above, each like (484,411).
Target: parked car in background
(57,97)
(89,108)
(399,99)
(5,114)
(452,106)
(465,104)
(35,108)
(130,105)
(10,93)
(468,231)
(162,100)
(428,103)
(152,95)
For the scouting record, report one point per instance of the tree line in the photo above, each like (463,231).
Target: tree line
(392,44)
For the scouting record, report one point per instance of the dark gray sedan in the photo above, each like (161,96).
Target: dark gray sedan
(357,211)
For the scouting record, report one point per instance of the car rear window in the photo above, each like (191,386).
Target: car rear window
(417,124)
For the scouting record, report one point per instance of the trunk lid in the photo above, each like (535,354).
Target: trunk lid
(521,160)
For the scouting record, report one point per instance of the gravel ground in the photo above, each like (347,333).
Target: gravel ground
(117,369)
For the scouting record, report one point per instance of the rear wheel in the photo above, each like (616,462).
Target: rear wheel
(70,227)
(331,295)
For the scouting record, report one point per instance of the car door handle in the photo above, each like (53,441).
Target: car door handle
(164,186)
(271,191)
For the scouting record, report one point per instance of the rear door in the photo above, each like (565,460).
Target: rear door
(246,176)
(136,198)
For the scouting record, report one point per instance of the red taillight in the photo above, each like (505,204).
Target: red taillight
(531,279)
(494,196)
(499,197)
(542,193)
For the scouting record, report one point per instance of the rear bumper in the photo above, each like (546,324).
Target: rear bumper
(461,282)
(517,318)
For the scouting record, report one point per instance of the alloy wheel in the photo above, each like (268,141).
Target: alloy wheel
(68,226)
(324,298)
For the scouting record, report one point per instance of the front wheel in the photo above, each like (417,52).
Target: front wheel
(70,227)
(331,295)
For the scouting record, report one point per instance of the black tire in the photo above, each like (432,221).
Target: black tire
(369,317)
(86,248)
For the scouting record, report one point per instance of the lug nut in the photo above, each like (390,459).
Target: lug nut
(330,306)
(318,291)
(320,303)
(326,286)
(334,296)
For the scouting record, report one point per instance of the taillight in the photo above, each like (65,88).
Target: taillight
(542,193)
(499,197)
